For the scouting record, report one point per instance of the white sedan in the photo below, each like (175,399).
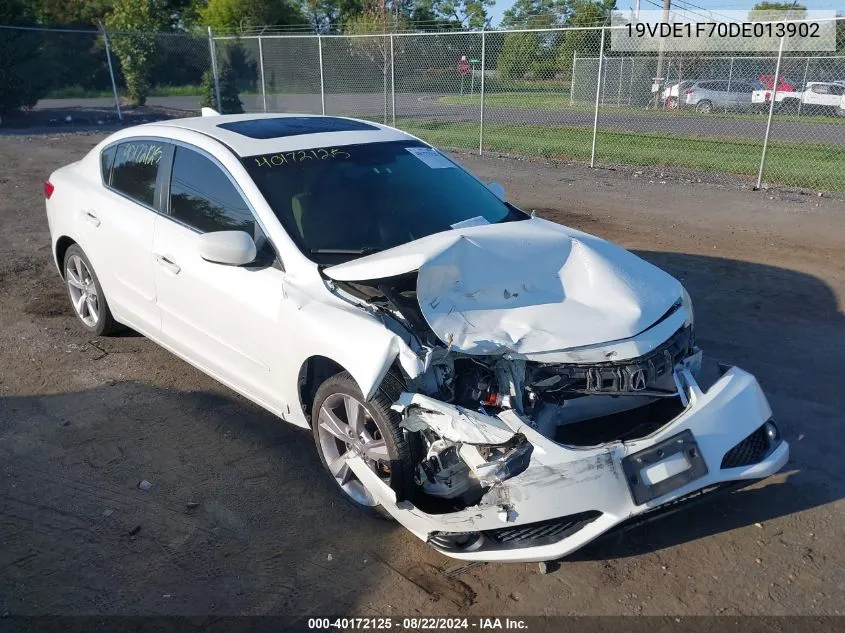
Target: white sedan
(505,387)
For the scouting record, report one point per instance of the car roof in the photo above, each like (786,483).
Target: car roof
(254,134)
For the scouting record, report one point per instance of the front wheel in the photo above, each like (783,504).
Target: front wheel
(86,294)
(345,424)
(705,107)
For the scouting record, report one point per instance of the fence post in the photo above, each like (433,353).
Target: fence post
(322,80)
(392,83)
(213,52)
(572,79)
(619,94)
(261,61)
(631,87)
(384,75)
(803,84)
(771,111)
(483,67)
(598,92)
(111,72)
(730,77)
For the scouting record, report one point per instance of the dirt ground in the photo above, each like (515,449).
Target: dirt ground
(240,518)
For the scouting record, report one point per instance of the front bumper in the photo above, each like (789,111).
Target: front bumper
(569,496)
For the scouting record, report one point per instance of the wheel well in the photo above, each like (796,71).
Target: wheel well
(312,374)
(62,244)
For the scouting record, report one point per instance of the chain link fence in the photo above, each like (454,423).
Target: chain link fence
(558,93)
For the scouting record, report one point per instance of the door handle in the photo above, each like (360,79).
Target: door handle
(93,219)
(168,264)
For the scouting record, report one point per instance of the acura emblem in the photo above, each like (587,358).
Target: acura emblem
(638,380)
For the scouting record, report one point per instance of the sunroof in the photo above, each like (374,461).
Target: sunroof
(294,126)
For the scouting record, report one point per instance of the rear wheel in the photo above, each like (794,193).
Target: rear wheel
(86,294)
(705,107)
(346,424)
(840,111)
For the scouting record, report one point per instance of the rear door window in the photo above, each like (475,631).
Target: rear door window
(135,169)
(203,198)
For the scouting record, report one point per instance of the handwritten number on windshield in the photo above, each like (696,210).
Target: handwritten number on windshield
(300,156)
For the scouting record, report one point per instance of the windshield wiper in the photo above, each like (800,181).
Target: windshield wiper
(366,250)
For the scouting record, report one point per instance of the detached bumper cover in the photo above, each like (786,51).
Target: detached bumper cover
(569,496)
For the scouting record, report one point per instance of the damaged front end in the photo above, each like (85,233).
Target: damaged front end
(533,441)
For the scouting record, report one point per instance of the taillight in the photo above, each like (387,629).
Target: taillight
(690,91)
(48,189)
(768,96)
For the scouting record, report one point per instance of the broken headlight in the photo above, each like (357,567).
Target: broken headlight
(504,462)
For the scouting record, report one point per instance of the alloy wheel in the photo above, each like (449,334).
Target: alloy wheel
(83,291)
(344,425)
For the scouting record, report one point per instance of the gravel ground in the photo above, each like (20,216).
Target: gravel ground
(240,518)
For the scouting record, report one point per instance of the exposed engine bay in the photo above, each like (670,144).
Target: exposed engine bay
(574,404)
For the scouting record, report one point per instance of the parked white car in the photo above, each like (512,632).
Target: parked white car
(819,96)
(505,387)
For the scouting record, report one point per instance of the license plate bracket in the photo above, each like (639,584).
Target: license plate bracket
(633,465)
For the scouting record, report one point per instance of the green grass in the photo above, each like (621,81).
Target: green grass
(560,102)
(798,164)
(78,92)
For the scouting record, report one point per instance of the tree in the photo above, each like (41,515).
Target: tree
(375,49)
(585,41)
(71,12)
(537,14)
(242,15)
(520,52)
(230,102)
(135,44)
(22,80)
(177,15)
(328,15)
(776,11)
(470,13)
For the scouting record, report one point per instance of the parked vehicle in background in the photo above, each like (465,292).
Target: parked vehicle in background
(670,94)
(815,97)
(717,94)
(768,82)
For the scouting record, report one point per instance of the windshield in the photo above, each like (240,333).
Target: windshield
(338,203)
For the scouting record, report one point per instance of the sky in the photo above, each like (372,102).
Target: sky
(624,5)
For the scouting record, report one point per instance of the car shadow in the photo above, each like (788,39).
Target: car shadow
(785,327)
(238,515)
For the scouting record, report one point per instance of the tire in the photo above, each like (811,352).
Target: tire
(380,423)
(840,111)
(704,107)
(672,103)
(788,106)
(87,299)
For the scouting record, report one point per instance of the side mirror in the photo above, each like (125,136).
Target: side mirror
(234,248)
(498,190)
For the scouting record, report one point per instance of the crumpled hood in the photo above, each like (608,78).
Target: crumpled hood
(524,287)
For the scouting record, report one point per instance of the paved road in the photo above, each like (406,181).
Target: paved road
(426,106)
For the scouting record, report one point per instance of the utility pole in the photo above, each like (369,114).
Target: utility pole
(658,76)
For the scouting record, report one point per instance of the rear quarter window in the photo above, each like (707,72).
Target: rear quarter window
(106,162)
(135,169)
